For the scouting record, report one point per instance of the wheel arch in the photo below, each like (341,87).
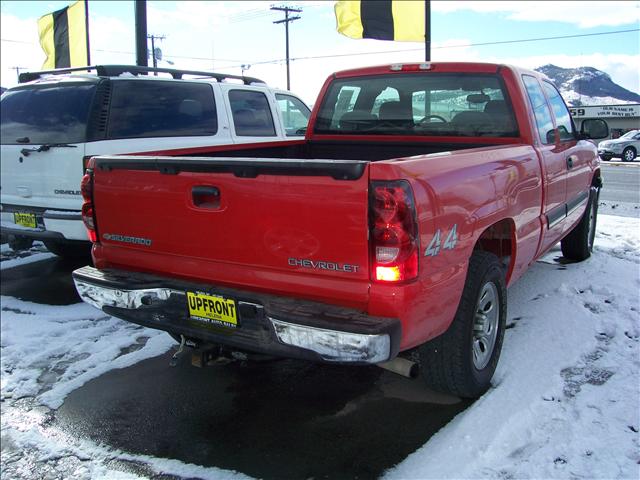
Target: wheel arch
(499,239)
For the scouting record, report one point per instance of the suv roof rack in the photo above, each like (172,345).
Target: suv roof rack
(116,70)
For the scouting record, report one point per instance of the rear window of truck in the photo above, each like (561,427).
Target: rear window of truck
(435,104)
(46,114)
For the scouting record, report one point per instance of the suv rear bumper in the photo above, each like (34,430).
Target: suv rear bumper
(268,324)
(50,224)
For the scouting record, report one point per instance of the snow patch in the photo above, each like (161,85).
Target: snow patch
(48,351)
(565,396)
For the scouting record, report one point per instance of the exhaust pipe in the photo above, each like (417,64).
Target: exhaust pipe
(401,366)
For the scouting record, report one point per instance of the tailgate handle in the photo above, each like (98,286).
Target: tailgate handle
(205,196)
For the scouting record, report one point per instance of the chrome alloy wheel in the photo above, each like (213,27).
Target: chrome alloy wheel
(485,325)
(628,155)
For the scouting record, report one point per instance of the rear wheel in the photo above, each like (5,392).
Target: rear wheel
(462,360)
(69,248)
(578,245)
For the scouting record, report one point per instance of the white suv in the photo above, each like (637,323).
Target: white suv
(58,119)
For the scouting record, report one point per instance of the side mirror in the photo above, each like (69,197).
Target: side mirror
(594,128)
(551,137)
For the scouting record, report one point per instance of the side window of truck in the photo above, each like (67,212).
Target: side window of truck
(155,108)
(295,114)
(560,111)
(251,114)
(540,108)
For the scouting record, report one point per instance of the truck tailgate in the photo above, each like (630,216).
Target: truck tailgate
(292,227)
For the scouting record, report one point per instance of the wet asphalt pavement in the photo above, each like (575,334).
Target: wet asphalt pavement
(272,420)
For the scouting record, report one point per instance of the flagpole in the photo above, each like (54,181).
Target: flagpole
(427,31)
(86,26)
(141,33)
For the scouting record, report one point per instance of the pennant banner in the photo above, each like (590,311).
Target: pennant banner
(63,37)
(402,21)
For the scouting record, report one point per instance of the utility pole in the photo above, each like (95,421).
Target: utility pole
(153,49)
(286,21)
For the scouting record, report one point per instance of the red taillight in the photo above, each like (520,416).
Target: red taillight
(394,232)
(88,214)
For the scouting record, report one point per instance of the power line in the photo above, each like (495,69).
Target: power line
(314,57)
(444,47)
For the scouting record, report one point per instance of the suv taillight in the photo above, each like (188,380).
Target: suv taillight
(393,232)
(88,214)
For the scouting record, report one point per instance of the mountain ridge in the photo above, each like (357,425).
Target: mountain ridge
(585,86)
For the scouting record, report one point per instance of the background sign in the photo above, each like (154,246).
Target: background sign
(606,111)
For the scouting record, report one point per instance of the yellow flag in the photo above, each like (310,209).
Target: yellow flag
(399,20)
(64,37)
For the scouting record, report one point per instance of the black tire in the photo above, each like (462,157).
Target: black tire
(629,154)
(17,243)
(606,158)
(578,245)
(448,363)
(69,248)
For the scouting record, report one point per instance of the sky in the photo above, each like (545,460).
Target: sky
(225,35)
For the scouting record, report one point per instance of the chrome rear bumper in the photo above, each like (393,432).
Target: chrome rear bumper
(267,324)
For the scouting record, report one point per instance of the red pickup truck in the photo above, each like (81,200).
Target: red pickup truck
(387,236)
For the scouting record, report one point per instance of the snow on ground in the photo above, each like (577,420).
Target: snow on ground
(566,396)
(12,259)
(619,209)
(565,401)
(49,351)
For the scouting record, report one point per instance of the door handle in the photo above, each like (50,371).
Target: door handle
(570,160)
(205,196)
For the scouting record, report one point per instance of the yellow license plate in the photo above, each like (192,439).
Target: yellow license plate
(211,310)
(25,219)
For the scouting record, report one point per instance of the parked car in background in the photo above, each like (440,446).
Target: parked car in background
(54,121)
(626,147)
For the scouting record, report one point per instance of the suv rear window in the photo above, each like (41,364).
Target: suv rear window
(149,108)
(442,104)
(46,114)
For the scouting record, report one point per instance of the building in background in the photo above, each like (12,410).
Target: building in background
(621,118)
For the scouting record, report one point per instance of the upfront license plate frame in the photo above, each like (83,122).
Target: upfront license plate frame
(25,219)
(212,310)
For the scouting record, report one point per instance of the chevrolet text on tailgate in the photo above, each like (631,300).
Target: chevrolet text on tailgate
(388,236)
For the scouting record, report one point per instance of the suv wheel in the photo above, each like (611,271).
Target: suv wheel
(17,243)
